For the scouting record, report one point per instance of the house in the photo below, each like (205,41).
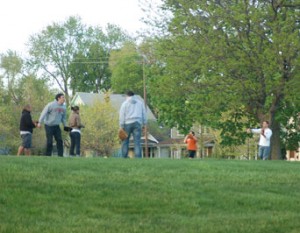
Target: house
(88,99)
(116,100)
(176,148)
(294,155)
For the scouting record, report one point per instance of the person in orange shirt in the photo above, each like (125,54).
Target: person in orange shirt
(191,142)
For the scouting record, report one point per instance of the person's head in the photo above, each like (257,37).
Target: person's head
(129,93)
(75,108)
(27,108)
(265,124)
(60,98)
(192,133)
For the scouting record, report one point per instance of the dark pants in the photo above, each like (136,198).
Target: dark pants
(75,143)
(136,130)
(54,131)
(192,153)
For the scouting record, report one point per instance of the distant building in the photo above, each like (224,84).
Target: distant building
(176,148)
(294,155)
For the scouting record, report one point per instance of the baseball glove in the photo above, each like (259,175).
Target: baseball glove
(67,129)
(122,134)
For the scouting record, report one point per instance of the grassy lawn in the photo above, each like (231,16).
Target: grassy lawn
(41,194)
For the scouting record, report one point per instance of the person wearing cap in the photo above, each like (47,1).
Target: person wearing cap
(52,116)
(132,119)
(75,134)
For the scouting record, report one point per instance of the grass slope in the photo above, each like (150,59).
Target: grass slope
(41,194)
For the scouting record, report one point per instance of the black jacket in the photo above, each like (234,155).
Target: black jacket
(26,123)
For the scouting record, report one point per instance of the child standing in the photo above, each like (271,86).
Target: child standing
(26,130)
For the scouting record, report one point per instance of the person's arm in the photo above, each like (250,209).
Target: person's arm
(63,119)
(122,116)
(185,139)
(29,122)
(258,131)
(43,114)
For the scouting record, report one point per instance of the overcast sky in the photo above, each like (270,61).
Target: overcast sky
(21,18)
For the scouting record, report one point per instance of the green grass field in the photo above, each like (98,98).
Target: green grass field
(42,194)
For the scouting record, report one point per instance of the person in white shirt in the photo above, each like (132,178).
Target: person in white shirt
(264,140)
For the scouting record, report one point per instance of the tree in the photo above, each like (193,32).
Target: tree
(101,127)
(75,56)
(53,50)
(238,58)
(90,71)
(90,68)
(11,64)
(126,65)
(16,90)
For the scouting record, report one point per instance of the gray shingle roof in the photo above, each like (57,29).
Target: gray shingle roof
(115,99)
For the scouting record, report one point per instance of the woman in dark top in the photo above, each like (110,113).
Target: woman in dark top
(26,130)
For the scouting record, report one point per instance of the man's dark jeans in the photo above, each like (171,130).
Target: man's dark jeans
(75,143)
(54,131)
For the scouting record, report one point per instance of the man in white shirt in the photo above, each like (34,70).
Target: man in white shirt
(264,140)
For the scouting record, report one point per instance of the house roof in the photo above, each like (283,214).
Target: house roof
(84,98)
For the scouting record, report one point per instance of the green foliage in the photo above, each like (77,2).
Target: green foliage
(12,66)
(11,63)
(220,56)
(127,69)
(65,195)
(90,71)
(90,67)
(74,56)
(53,49)
(290,118)
(9,127)
(20,89)
(101,128)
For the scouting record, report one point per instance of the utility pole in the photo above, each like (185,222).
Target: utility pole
(145,101)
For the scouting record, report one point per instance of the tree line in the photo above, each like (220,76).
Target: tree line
(225,64)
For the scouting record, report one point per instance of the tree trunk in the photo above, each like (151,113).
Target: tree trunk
(275,140)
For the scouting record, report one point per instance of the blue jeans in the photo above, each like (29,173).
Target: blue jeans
(264,152)
(75,143)
(54,131)
(136,130)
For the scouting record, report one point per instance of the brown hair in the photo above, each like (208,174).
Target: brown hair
(74,108)
(27,107)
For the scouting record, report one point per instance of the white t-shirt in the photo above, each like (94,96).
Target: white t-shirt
(263,140)
(24,132)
